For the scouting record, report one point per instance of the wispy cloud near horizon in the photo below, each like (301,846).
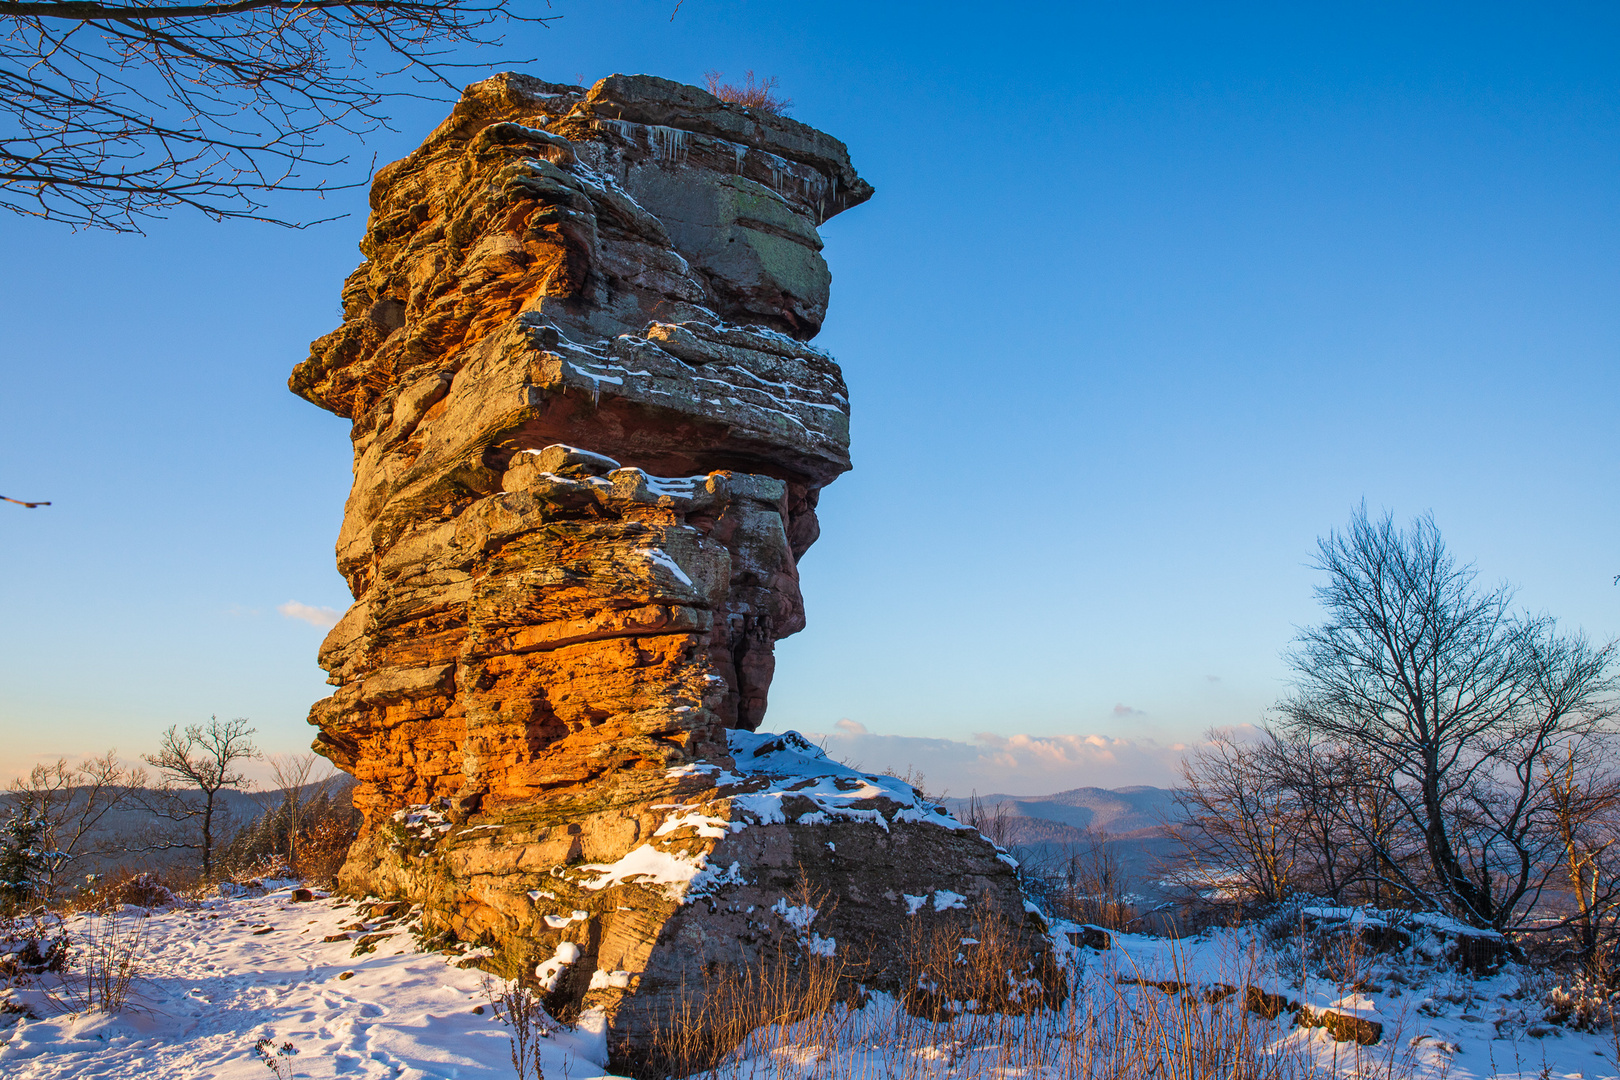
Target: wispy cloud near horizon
(323,617)
(1019,764)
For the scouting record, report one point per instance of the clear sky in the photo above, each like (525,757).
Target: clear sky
(1149,296)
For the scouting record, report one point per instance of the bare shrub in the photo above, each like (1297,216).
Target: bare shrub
(1090,885)
(519,1008)
(993,821)
(107,956)
(31,945)
(135,887)
(276,1058)
(750,93)
(305,831)
(913,778)
(1238,830)
(325,845)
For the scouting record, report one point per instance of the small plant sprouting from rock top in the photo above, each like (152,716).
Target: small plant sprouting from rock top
(750,93)
(278,1059)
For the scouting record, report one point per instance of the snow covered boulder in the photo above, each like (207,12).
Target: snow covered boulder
(627,916)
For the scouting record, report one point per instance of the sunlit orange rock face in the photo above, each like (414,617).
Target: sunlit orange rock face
(589,438)
(589,441)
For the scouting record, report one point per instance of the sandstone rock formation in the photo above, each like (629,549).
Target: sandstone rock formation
(589,441)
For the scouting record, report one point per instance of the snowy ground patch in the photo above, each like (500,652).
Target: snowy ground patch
(218,976)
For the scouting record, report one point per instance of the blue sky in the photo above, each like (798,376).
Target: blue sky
(1148,298)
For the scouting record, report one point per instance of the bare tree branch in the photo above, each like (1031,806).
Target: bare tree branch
(115,113)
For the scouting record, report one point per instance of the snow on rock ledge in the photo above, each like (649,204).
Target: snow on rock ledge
(623,908)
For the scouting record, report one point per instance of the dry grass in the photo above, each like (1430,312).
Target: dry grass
(1113,1025)
(995,973)
(750,93)
(764,1011)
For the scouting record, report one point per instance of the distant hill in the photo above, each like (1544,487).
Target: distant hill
(1135,812)
(127,833)
(1047,829)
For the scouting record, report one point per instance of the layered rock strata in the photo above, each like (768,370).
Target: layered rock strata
(589,441)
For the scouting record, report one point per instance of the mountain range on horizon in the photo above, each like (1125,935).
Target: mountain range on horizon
(1137,812)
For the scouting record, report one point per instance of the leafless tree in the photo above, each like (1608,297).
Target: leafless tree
(118,111)
(1584,789)
(73,802)
(196,765)
(297,787)
(1457,702)
(1237,825)
(1092,886)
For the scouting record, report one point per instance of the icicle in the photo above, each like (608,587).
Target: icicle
(669,144)
(741,152)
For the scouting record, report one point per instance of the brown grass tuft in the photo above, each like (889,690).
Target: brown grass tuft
(750,93)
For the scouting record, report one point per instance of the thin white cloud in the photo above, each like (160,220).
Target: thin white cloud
(851,727)
(1126,710)
(323,617)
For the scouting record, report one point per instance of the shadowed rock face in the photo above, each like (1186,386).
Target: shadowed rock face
(589,441)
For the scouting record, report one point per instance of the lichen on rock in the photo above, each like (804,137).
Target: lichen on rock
(590,437)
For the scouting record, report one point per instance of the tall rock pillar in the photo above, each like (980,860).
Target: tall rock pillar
(589,440)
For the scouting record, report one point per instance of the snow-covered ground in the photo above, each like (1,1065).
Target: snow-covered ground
(218,976)
(1437,1021)
(214,981)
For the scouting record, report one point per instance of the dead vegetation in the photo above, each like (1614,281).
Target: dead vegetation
(767,1024)
(751,93)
